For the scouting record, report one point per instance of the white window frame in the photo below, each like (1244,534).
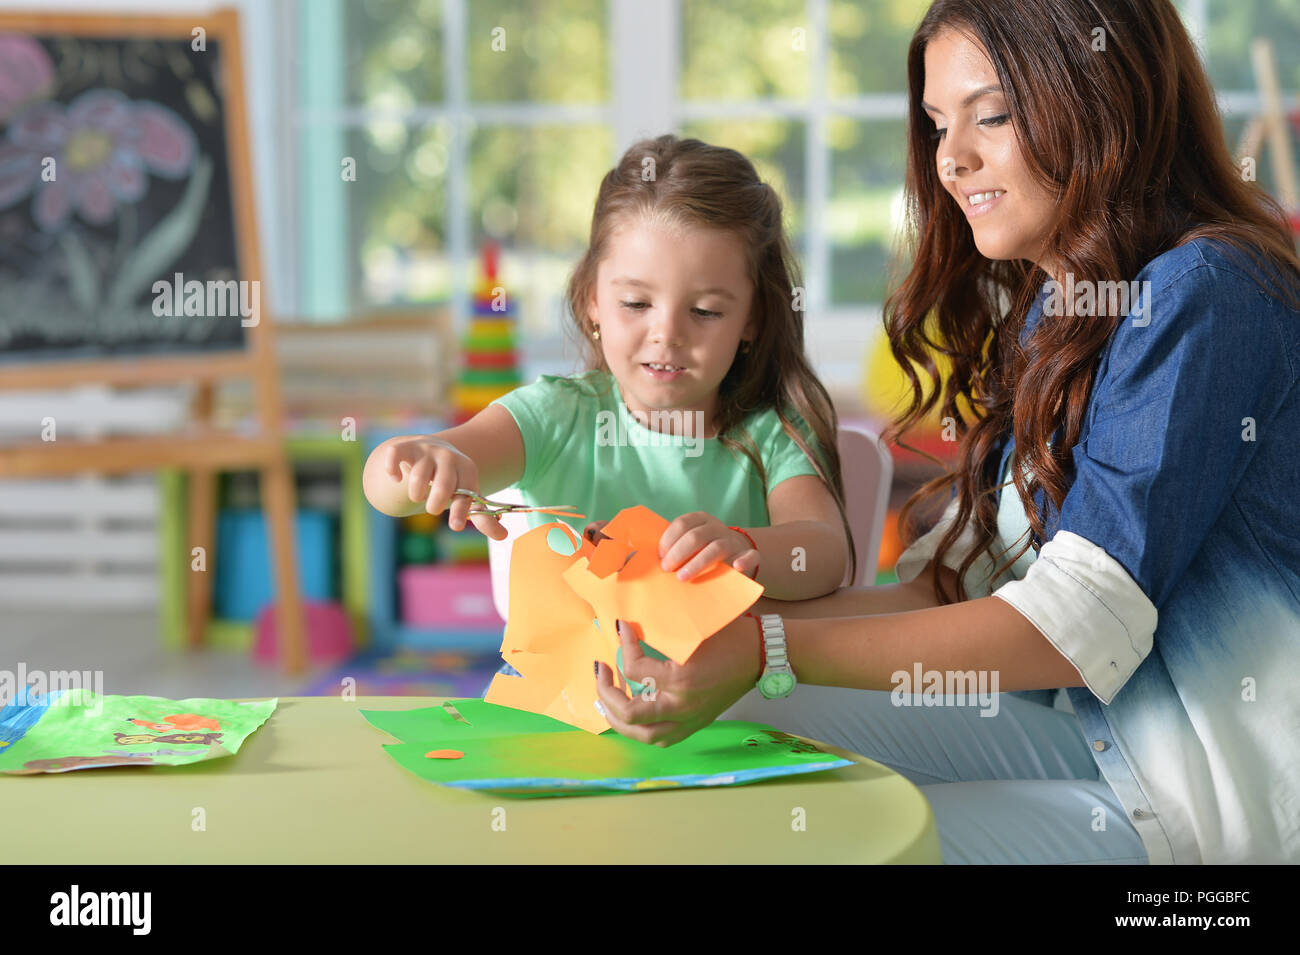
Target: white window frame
(645,67)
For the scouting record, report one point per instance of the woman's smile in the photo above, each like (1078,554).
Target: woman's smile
(981,203)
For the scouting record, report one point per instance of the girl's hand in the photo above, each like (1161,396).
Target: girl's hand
(433,470)
(679,699)
(695,542)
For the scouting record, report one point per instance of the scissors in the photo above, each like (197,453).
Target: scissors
(495,508)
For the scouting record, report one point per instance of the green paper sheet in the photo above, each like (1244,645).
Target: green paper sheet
(74,730)
(513,752)
(483,719)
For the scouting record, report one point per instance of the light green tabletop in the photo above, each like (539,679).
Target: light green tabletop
(315,785)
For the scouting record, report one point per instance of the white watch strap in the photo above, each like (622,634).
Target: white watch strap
(774,640)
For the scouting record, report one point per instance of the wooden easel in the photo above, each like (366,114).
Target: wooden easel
(1271,127)
(201,450)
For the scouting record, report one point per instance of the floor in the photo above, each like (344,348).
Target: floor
(125,648)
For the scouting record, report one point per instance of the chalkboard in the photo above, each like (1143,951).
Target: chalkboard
(118,224)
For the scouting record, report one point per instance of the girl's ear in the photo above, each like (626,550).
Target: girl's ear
(591,306)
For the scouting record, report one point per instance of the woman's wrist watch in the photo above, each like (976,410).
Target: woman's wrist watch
(777,679)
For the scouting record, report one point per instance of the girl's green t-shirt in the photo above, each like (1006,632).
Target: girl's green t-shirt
(583,447)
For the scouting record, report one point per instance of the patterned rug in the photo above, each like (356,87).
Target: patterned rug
(412,673)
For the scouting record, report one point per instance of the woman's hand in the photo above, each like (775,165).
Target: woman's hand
(695,542)
(432,471)
(679,699)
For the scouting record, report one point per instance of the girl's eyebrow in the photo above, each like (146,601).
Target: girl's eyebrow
(628,280)
(982,91)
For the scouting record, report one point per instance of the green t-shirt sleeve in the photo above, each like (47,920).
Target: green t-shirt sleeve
(545,412)
(782,457)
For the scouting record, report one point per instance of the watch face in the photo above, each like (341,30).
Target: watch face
(777,684)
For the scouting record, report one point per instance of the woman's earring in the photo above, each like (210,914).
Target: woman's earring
(595,333)
(744,347)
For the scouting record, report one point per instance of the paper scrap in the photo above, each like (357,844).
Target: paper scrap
(454,712)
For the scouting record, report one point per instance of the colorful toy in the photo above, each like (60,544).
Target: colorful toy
(489,359)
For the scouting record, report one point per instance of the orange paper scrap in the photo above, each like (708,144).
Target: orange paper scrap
(563,610)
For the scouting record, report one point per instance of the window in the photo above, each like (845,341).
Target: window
(496,119)
(1225,31)
(415,145)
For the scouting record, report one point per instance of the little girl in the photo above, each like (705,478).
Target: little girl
(698,401)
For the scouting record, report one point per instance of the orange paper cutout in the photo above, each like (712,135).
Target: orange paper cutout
(551,636)
(192,722)
(675,616)
(563,611)
(610,555)
(443,754)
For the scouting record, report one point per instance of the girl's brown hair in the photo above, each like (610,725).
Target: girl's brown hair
(690,183)
(1129,141)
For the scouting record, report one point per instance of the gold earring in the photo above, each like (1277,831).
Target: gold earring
(595,333)
(744,347)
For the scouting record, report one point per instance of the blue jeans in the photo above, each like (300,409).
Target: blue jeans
(1020,786)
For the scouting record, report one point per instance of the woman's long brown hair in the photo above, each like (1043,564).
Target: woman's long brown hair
(690,183)
(1129,141)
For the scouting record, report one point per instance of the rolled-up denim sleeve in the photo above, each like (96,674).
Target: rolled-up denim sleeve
(1177,399)
(1089,608)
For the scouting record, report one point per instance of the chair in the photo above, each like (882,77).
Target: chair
(868,471)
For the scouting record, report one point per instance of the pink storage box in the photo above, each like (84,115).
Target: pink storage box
(329,633)
(450,597)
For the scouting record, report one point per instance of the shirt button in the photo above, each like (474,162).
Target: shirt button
(1138,814)
(1099,745)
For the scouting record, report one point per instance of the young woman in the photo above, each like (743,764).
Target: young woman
(1123,312)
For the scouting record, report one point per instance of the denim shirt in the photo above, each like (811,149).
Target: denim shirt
(1170,577)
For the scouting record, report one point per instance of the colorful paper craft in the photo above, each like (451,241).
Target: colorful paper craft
(69,730)
(563,610)
(675,616)
(524,754)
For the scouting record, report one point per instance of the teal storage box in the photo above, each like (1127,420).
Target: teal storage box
(244,583)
